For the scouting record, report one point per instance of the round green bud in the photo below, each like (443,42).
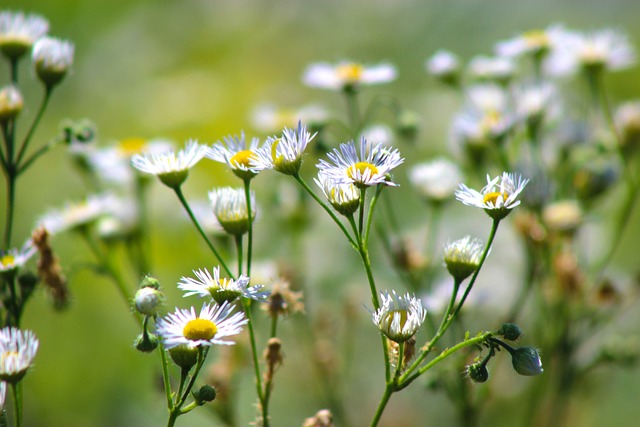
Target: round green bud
(146,343)
(184,356)
(510,331)
(206,393)
(526,361)
(478,372)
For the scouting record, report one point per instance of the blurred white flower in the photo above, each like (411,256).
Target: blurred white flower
(444,65)
(283,154)
(345,75)
(52,59)
(269,118)
(494,69)
(170,167)
(436,180)
(18,32)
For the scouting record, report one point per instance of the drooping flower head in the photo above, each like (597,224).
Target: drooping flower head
(283,154)
(347,75)
(17,350)
(364,167)
(236,153)
(171,168)
(399,317)
(18,32)
(221,289)
(186,328)
(498,197)
(52,59)
(230,208)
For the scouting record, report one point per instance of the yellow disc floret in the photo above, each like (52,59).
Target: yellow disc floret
(493,197)
(350,73)
(199,329)
(360,169)
(242,158)
(131,146)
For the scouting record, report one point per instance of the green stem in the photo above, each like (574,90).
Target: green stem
(372,206)
(34,125)
(178,191)
(254,355)
(274,326)
(388,391)
(238,240)
(165,376)
(327,209)
(17,403)
(363,193)
(353,111)
(247,195)
(35,156)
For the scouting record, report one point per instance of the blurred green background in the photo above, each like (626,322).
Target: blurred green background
(197,69)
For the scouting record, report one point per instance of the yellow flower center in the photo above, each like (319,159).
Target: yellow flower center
(131,146)
(199,329)
(350,73)
(242,158)
(360,169)
(536,38)
(8,259)
(490,120)
(493,197)
(224,283)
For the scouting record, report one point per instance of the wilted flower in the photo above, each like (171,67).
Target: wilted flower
(347,75)
(399,317)
(186,328)
(365,167)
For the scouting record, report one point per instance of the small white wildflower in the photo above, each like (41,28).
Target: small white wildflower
(283,154)
(17,350)
(171,168)
(444,65)
(221,289)
(462,257)
(497,69)
(52,59)
(497,198)
(436,180)
(236,153)
(11,103)
(14,259)
(399,317)
(230,208)
(347,75)
(345,198)
(18,32)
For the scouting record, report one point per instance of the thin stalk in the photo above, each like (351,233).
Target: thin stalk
(180,195)
(17,403)
(274,326)
(363,193)
(327,209)
(35,156)
(165,376)
(247,195)
(353,111)
(388,391)
(238,240)
(254,355)
(372,206)
(34,124)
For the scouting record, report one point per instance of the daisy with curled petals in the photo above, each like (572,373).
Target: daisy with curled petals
(345,198)
(347,75)
(235,153)
(186,328)
(17,350)
(498,197)
(172,168)
(207,286)
(283,154)
(365,167)
(399,317)
(230,209)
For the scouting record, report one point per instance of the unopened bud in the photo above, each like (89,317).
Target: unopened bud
(526,361)
(204,394)
(146,343)
(148,300)
(510,331)
(184,356)
(478,372)
(52,59)
(11,103)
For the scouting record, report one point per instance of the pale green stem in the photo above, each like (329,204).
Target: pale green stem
(363,193)
(201,231)
(372,206)
(238,239)
(327,209)
(34,125)
(256,364)
(353,111)
(247,195)
(165,376)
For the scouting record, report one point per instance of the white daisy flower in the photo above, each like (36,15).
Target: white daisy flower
(436,180)
(347,75)
(14,259)
(11,102)
(236,153)
(534,42)
(171,168)
(536,102)
(378,132)
(366,167)
(270,118)
(399,317)
(186,328)
(52,59)
(608,48)
(17,350)
(498,197)
(283,154)
(76,215)
(221,289)
(462,257)
(345,198)
(113,163)
(444,65)
(18,32)
(230,208)
(498,69)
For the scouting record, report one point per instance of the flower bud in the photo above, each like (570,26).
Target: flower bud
(11,103)
(478,372)
(150,282)
(146,343)
(204,394)
(148,300)
(526,361)
(183,356)
(462,257)
(510,331)
(52,59)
